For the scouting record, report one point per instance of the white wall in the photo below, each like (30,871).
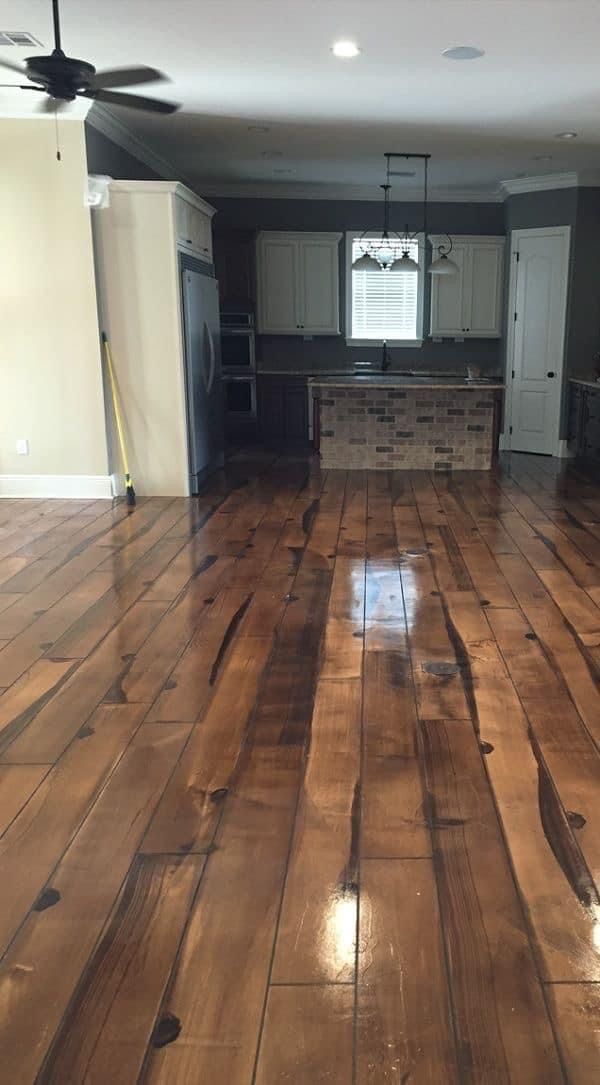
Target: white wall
(50,364)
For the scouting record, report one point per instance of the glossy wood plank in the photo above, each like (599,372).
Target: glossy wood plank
(572,760)
(58,721)
(45,955)
(393,816)
(231,930)
(404,1018)
(17,785)
(39,637)
(316,942)
(87,632)
(189,811)
(38,836)
(21,701)
(502,1027)
(545,852)
(191,682)
(575,1008)
(307,1036)
(108,1024)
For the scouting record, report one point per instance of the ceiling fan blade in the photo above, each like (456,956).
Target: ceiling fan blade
(13,67)
(126,77)
(20,86)
(132,101)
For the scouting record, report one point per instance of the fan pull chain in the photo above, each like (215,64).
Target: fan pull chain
(58,158)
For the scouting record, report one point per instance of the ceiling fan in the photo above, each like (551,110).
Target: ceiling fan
(64,78)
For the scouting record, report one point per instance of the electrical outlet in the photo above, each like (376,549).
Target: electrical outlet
(23,446)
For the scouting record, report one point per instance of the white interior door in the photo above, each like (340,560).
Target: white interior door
(539,296)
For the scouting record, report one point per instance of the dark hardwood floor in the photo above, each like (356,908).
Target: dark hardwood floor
(299,781)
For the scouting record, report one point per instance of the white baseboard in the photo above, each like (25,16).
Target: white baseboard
(76,486)
(563,451)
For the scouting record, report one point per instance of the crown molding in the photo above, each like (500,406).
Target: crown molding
(551,181)
(544,183)
(176,188)
(307,191)
(105,121)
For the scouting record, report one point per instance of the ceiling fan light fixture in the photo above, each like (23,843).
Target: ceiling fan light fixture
(63,78)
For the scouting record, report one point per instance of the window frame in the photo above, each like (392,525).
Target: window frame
(352,341)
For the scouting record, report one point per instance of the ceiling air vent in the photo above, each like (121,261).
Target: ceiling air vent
(18,37)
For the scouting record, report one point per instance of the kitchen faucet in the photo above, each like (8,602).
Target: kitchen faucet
(385,358)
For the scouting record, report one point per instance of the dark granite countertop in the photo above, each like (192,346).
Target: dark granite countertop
(394,380)
(588,381)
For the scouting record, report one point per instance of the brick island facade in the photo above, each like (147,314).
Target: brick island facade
(424,428)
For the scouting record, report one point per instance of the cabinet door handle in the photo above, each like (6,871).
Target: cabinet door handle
(550,374)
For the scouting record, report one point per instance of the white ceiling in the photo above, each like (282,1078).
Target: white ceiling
(241,63)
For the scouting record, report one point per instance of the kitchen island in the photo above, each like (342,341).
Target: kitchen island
(386,422)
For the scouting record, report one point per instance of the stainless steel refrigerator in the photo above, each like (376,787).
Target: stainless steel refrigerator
(204,387)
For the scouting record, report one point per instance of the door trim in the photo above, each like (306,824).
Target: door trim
(515,237)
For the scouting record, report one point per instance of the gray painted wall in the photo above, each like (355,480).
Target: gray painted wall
(108,158)
(323,352)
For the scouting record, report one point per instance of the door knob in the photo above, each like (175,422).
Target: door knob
(550,374)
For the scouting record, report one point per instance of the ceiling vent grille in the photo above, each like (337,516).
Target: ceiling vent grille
(18,37)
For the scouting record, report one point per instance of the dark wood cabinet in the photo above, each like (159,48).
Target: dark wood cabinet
(584,422)
(234,257)
(283,411)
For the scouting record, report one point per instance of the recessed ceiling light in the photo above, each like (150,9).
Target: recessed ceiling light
(566,135)
(463,52)
(346,49)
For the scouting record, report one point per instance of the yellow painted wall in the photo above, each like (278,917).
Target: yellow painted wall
(50,365)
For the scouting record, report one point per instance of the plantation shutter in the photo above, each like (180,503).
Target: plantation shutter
(384,303)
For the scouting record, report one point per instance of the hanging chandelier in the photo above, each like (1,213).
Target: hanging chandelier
(389,250)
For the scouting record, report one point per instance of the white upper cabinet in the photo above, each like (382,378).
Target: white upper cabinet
(193,224)
(298,284)
(469,303)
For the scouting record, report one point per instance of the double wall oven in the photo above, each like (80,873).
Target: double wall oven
(238,365)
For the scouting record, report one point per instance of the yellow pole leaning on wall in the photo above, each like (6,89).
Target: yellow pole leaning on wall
(129,490)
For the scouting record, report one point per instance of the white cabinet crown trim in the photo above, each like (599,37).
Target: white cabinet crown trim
(468,239)
(175,187)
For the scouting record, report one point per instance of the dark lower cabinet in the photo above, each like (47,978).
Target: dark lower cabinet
(584,422)
(283,411)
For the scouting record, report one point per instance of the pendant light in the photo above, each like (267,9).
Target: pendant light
(380,252)
(406,261)
(442,265)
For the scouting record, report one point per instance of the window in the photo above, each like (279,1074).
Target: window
(383,304)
